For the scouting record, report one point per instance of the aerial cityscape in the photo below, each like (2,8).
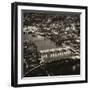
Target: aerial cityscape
(51,44)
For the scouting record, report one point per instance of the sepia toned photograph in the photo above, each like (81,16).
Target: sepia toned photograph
(51,43)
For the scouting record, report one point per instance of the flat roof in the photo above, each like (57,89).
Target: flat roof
(44,44)
(41,42)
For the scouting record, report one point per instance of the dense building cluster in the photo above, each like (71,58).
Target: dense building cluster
(62,28)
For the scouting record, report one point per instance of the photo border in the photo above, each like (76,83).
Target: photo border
(14,43)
